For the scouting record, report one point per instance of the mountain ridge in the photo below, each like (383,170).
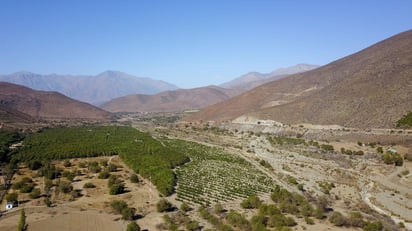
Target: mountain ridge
(45,104)
(94,89)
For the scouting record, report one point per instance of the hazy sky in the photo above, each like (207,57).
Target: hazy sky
(189,43)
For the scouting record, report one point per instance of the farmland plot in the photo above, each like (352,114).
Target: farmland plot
(214,175)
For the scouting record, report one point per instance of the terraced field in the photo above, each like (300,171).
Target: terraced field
(214,175)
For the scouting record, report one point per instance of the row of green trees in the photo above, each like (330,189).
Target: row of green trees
(140,151)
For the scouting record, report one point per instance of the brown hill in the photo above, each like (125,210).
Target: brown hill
(170,101)
(8,115)
(371,88)
(45,105)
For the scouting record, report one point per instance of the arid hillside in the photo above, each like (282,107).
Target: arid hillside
(170,101)
(371,88)
(45,105)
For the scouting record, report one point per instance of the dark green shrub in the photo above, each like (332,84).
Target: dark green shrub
(104,175)
(67,163)
(132,226)
(134,178)
(116,189)
(392,158)
(405,121)
(12,197)
(252,202)
(337,219)
(379,150)
(113,179)
(65,187)
(164,206)
(118,206)
(373,226)
(184,207)
(112,167)
(35,193)
(192,226)
(89,185)
(34,164)
(128,213)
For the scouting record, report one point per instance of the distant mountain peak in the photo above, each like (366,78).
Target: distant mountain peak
(254,79)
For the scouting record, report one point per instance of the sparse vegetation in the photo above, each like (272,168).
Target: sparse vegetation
(164,206)
(392,158)
(405,121)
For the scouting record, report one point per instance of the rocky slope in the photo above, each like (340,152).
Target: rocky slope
(371,88)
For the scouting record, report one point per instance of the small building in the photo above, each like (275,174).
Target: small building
(392,150)
(9,206)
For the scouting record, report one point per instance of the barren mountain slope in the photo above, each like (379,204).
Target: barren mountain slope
(371,88)
(170,101)
(41,104)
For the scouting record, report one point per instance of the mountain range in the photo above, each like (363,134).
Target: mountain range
(198,98)
(371,88)
(253,79)
(91,89)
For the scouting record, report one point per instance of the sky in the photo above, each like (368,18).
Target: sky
(189,43)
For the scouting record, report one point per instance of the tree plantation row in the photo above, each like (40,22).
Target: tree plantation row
(140,151)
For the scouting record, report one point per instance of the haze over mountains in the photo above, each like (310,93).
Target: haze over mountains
(371,88)
(22,104)
(253,79)
(197,98)
(92,89)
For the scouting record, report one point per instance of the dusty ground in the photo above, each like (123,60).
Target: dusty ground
(91,211)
